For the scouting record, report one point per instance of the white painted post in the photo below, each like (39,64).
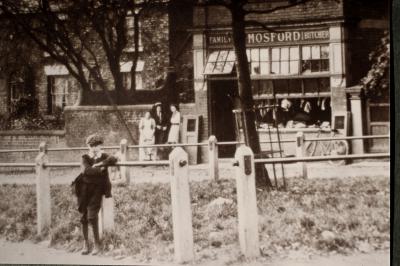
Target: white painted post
(124,170)
(43,200)
(106,216)
(300,139)
(247,202)
(213,157)
(181,206)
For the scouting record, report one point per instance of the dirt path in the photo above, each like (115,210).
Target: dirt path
(29,253)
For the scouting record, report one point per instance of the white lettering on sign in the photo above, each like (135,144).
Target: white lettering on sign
(259,38)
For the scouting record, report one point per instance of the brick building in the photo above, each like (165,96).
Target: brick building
(160,61)
(313,55)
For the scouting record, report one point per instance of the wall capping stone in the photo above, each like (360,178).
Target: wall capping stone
(107,107)
(32,133)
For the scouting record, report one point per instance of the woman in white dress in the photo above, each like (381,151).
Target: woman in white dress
(173,134)
(147,127)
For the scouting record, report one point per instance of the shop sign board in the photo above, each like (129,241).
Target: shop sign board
(262,38)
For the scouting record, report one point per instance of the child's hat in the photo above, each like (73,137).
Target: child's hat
(94,140)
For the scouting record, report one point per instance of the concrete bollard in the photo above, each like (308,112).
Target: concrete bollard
(106,216)
(123,156)
(213,158)
(300,139)
(43,200)
(181,206)
(247,202)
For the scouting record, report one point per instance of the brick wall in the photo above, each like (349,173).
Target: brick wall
(81,121)
(13,139)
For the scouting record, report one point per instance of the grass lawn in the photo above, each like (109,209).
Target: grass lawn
(314,216)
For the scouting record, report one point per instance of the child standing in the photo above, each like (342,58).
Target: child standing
(91,185)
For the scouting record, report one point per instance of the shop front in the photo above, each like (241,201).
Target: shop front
(298,79)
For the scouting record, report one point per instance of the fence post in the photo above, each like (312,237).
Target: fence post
(300,139)
(106,216)
(124,170)
(247,202)
(43,200)
(213,157)
(181,206)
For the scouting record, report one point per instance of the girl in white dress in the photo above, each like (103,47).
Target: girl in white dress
(173,134)
(147,127)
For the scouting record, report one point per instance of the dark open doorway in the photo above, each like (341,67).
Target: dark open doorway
(222,123)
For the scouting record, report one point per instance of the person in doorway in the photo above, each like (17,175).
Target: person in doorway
(173,134)
(92,183)
(147,127)
(160,133)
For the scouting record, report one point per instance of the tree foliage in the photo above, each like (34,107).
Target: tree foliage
(88,37)
(376,82)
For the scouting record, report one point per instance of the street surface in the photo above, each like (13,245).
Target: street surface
(28,252)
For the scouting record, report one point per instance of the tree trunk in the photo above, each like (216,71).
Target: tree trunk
(244,82)
(245,93)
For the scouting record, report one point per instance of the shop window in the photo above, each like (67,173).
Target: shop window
(285,60)
(61,95)
(220,62)
(315,58)
(258,61)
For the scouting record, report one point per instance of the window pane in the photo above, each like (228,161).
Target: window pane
(310,85)
(284,54)
(266,87)
(315,53)
(213,56)
(255,87)
(248,54)
(294,67)
(231,56)
(264,54)
(325,65)
(275,54)
(275,68)
(295,86)
(306,66)
(306,54)
(139,83)
(281,86)
(222,56)
(209,68)
(264,68)
(255,68)
(315,65)
(324,85)
(219,67)
(229,66)
(294,53)
(324,51)
(255,56)
(284,67)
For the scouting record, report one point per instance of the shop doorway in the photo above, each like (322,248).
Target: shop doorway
(222,121)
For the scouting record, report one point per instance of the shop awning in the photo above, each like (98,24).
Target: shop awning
(220,62)
(127,66)
(55,70)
